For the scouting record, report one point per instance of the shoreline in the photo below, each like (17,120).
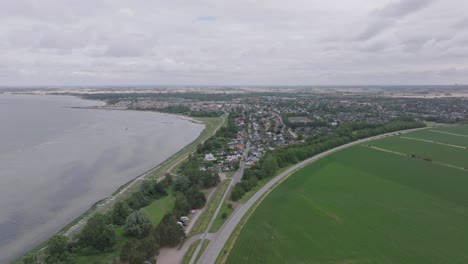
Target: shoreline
(75,225)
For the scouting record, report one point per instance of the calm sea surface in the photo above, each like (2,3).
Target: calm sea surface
(55,162)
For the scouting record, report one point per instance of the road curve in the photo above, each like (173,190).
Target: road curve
(211,253)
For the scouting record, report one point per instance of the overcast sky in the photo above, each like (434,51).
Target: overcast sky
(98,42)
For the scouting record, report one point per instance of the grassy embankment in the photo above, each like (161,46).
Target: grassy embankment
(157,208)
(366,206)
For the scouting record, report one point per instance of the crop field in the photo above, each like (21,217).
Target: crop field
(438,135)
(365,205)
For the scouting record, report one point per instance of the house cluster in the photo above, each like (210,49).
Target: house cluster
(229,157)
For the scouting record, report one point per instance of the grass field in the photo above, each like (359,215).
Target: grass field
(362,205)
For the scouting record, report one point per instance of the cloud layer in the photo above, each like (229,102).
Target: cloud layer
(65,42)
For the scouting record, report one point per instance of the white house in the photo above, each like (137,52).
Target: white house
(209,157)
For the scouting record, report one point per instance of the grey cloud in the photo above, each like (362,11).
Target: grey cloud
(387,16)
(377,26)
(401,8)
(259,42)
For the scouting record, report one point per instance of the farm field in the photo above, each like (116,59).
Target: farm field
(436,152)
(363,205)
(436,135)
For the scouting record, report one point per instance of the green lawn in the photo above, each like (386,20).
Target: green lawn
(158,208)
(361,205)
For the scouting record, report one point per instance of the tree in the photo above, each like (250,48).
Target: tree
(138,200)
(152,188)
(120,212)
(168,232)
(196,198)
(138,224)
(138,251)
(57,251)
(30,259)
(182,183)
(181,206)
(130,254)
(97,234)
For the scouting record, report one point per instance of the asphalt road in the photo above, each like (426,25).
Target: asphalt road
(235,179)
(214,248)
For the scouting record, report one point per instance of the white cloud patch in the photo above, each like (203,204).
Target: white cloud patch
(232,42)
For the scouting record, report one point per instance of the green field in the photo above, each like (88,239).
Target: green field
(362,205)
(435,135)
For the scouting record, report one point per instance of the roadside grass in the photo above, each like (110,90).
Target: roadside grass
(204,219)
(219,220)
(212,124)
(360,205)
(205,244)
(188,255)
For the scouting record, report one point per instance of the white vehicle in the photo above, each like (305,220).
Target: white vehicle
(180,224)
(184,219)
(192,211)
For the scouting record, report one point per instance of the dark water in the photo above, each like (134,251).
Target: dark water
(55,162)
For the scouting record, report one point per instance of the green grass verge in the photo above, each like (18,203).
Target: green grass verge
(361,205)
(219,220)
(204,219)
(190,251)
(205,244)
